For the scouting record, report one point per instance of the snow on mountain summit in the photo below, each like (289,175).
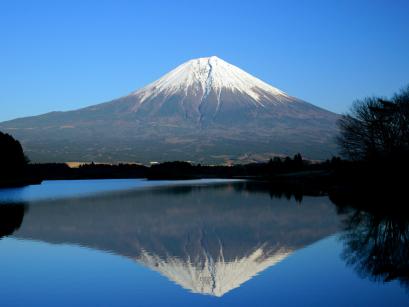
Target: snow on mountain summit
(204,75)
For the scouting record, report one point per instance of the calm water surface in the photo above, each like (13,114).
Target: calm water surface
(193,243)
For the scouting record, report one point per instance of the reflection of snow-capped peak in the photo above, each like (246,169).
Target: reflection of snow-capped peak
(213,276)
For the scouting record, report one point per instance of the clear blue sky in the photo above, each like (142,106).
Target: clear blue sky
(62,55)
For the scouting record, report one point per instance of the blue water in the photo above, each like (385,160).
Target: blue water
(193,243)
(75,188)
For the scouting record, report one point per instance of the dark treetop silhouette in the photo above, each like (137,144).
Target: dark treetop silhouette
(12,161)
(376,128)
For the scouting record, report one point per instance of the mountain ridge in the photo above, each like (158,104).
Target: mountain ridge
(204,110)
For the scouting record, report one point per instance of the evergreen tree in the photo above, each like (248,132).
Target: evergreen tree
(12,158)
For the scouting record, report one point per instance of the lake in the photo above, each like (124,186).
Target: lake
(194,243)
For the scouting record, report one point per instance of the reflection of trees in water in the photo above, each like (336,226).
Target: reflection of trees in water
(274,190)
(11,217)
(278,191)
(377,245)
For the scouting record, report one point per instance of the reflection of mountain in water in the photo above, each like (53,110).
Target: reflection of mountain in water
(208,239)
(213,276)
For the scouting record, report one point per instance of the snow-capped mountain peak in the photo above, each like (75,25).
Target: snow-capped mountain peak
(205,75)
(204,110)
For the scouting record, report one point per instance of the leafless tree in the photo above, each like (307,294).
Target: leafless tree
(376,128)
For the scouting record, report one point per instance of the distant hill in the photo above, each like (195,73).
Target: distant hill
(205,110)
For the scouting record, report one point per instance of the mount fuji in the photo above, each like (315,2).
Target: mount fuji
(205,110)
